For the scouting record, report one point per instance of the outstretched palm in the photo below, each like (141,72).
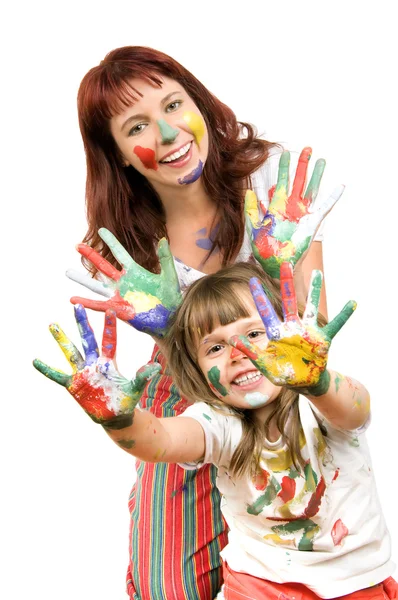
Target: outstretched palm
(144,299)
(290,223)
(297,351)
(95,382)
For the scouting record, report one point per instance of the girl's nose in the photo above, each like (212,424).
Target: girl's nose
(235,354)
(167,132)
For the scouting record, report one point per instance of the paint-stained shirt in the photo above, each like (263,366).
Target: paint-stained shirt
(323,527)
(263,180)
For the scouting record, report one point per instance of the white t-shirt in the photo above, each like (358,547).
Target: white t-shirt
(262,181)
(324,529)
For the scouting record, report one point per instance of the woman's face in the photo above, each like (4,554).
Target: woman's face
(230,373)
(163,135)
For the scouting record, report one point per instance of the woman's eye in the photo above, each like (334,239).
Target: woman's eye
(173,105)
(137,129)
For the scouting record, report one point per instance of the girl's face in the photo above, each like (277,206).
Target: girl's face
(230,374)
(162,135)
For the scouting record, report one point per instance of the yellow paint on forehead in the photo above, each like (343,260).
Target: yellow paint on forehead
(195,124)
(141,301)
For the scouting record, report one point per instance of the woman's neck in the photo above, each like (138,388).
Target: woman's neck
(187,202)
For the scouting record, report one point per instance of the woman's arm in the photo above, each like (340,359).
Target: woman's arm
(173,439)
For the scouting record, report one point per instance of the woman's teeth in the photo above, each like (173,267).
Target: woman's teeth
(181,152)
(247,378)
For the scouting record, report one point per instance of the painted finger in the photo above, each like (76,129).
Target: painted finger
(109,337)
(122,308)
(168,270)
(89,282)
(143,375)
(98,261)
(313,187)
(310,315)
(332,328)
(288,292)
(118,251)
(53,374)
(72,354)
(327,206)
(87,336)
(266,310)
(282,184)
(301,173)
(250,350)
(251,208)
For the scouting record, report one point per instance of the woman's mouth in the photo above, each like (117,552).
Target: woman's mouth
(179,158)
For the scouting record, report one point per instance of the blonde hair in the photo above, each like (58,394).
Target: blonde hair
(219,299)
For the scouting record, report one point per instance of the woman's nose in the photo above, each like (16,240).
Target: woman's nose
(167,132)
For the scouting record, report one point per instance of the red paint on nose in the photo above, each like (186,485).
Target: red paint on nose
(234,353)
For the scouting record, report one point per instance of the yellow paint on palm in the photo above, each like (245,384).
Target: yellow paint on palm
(195,124)
(141,301)
(292,362)
(286,251)
(279,199)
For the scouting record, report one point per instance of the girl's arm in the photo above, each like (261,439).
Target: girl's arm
(313,260)
(343,401)
(110,399)
(172,439)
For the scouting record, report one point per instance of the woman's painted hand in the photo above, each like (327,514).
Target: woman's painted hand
(297,351)
(95,383)
(143,299)
(290,223)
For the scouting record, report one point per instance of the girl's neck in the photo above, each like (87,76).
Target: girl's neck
(262,414)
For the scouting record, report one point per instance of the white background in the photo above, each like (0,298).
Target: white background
(306,73)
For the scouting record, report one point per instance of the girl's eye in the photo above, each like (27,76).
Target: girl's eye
(255,334)
(214,349)
(173,106)
(137,129)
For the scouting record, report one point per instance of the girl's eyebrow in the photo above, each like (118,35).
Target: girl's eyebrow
(208,339)
(142,116)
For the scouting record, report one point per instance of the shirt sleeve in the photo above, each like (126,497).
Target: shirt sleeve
(222,434)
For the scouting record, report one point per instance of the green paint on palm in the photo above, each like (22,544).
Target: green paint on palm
(214,378)
(284,230)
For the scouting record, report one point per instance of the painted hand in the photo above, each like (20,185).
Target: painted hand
(106,396)
(289,225)
(297,351)
(144,299)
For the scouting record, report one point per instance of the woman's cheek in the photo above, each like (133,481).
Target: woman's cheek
(146,157)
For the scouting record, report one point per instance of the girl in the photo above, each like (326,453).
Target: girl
(299,496)
(165,157)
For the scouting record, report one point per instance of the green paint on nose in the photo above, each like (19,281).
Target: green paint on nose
(167,132)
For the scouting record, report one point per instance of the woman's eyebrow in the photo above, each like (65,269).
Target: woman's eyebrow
(142,116)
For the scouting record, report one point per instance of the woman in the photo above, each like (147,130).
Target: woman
(165,158)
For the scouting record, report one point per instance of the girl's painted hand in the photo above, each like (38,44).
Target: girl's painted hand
(143,299)
(297,351)
(289,225)
(106,396)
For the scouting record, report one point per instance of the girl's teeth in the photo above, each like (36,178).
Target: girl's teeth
(248,377)
(177,154)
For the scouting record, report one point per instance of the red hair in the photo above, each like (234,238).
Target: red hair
(121,199)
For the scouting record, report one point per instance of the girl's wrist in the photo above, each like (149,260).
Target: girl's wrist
(319,389)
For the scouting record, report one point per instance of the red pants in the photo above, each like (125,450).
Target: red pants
(240,586)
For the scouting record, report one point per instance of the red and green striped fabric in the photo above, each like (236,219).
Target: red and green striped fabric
(176,528)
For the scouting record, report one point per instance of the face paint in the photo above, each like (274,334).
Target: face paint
(167,132)
(256,399)
(195,124)
(206,242)
(193,175)
(147,157)
(214,377)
